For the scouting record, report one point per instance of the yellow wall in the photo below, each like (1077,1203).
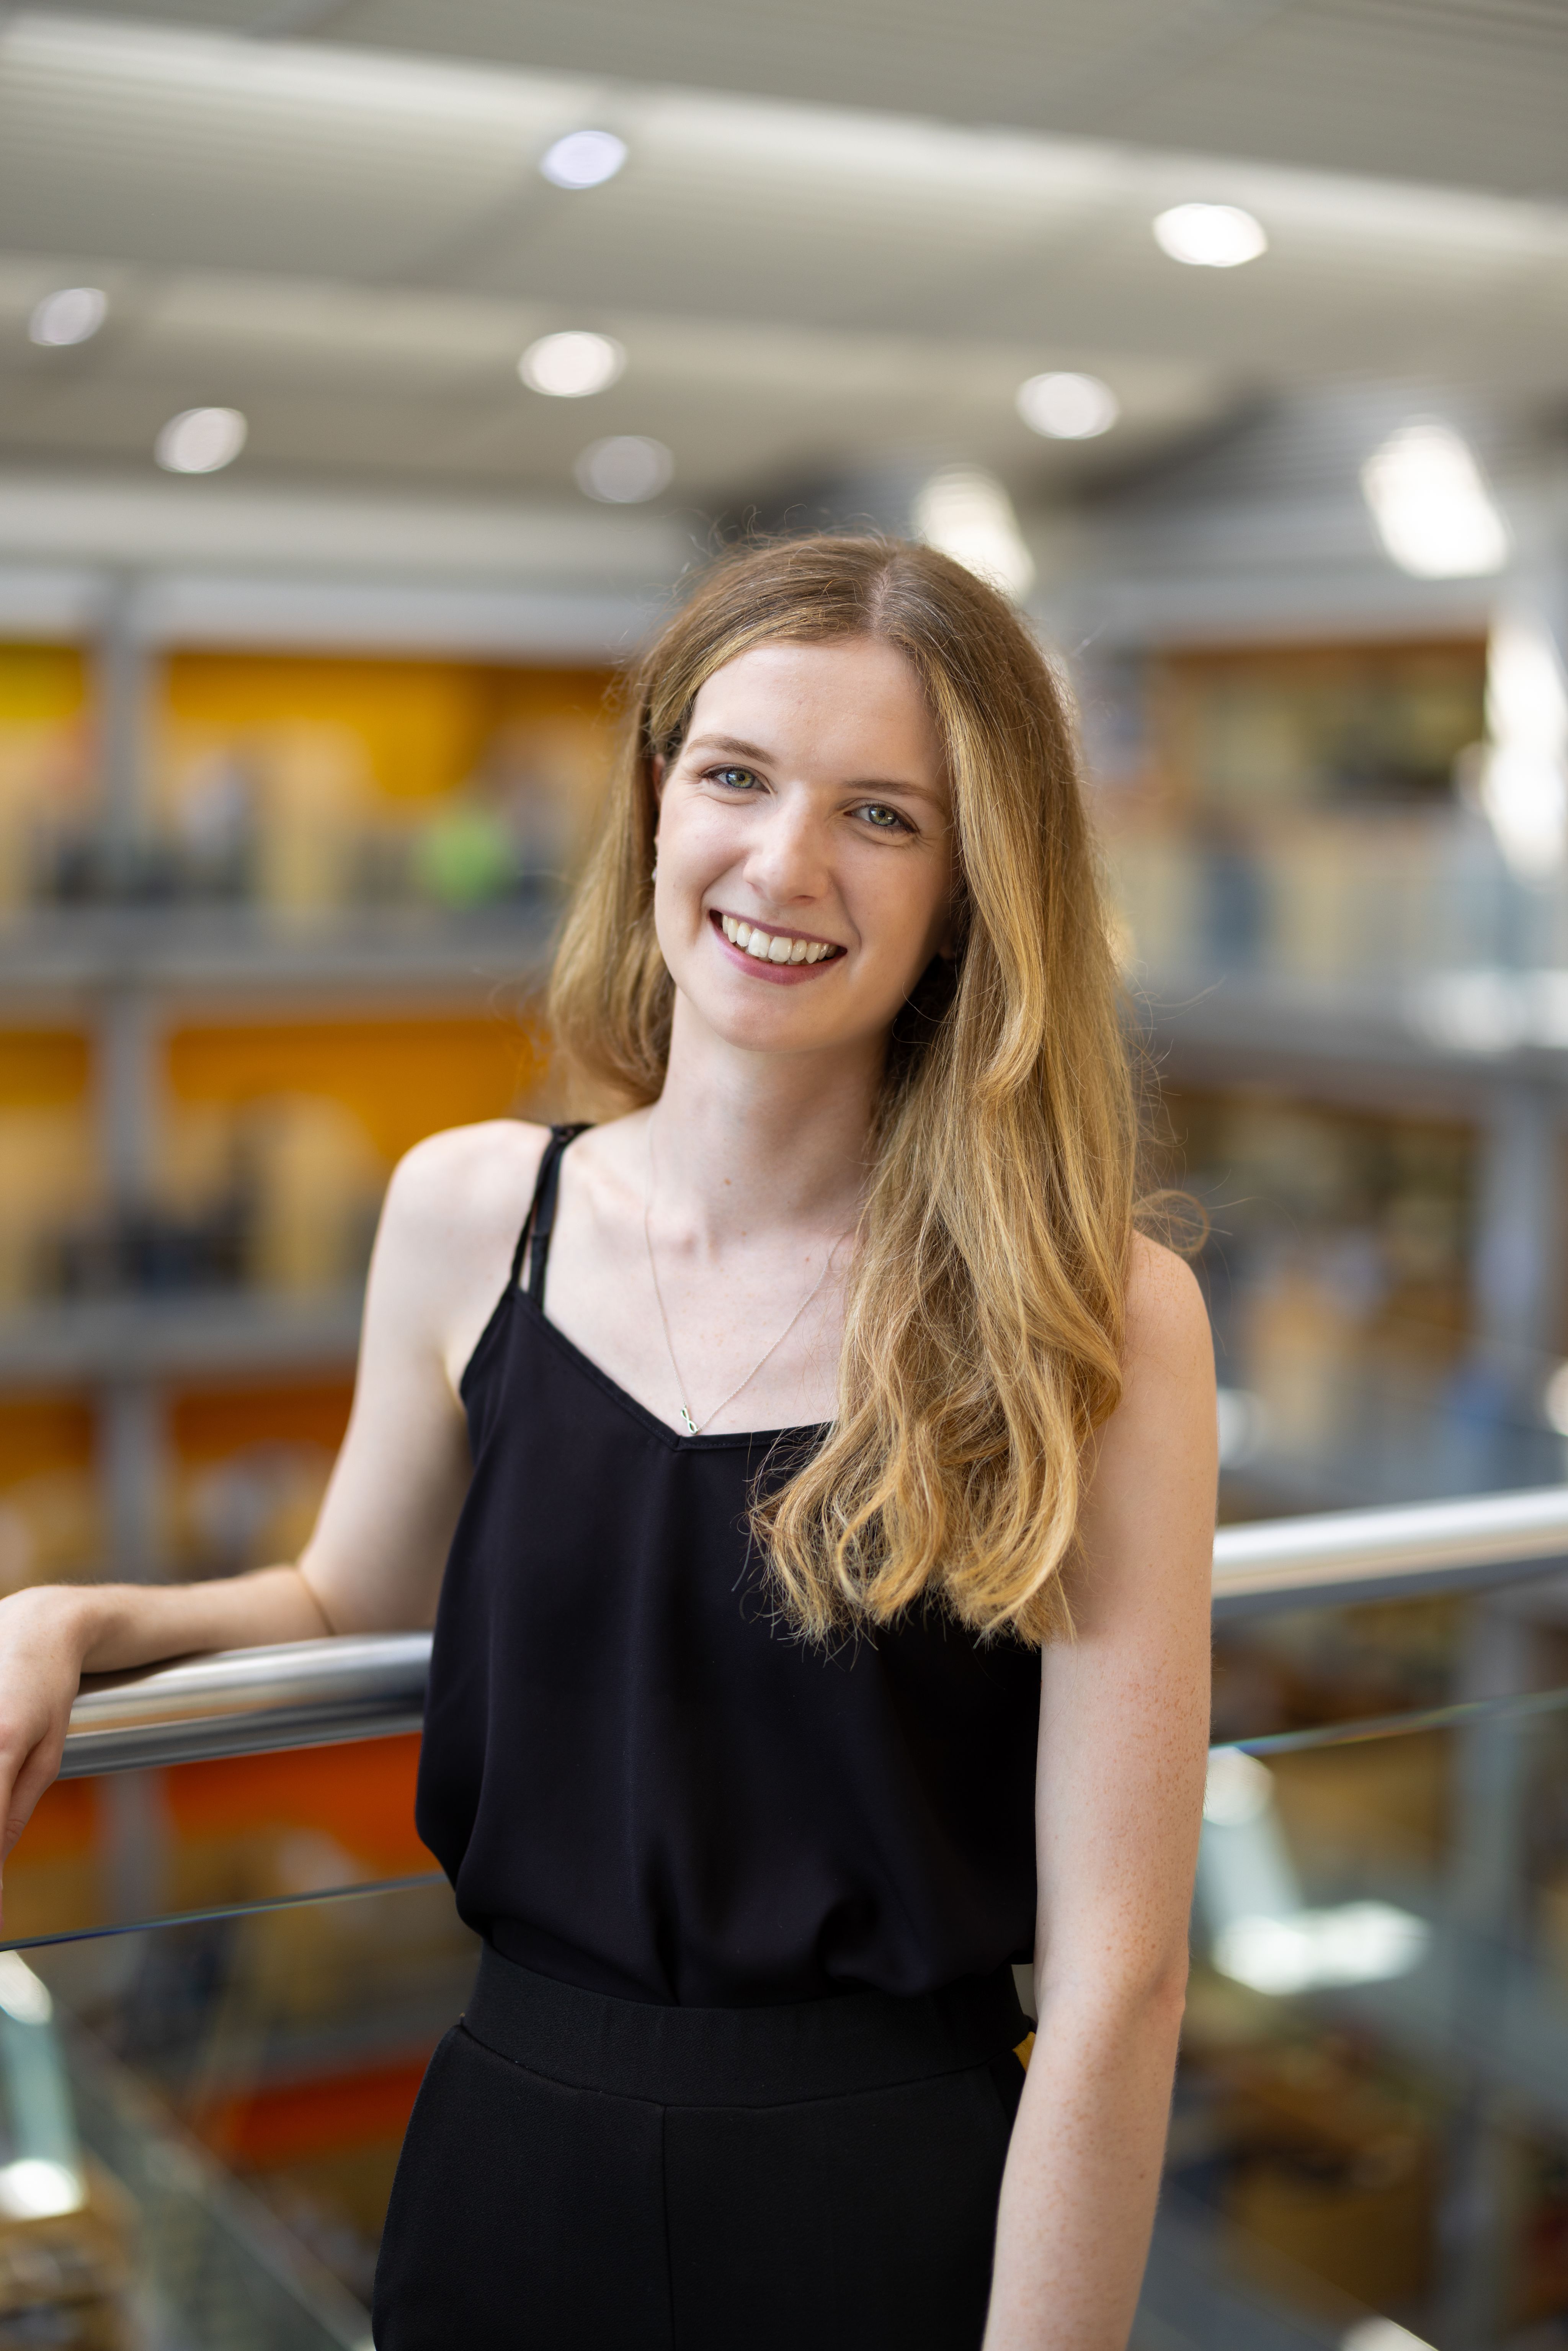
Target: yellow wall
(313,1113)
(40,683)
(402,1079)
(423,725)
(40,1066)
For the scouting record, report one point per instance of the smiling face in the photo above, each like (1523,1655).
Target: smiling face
(805,870)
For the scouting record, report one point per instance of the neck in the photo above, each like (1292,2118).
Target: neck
(745,1141)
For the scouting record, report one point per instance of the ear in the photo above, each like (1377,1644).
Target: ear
(657,768)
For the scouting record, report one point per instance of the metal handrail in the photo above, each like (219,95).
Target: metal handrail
(246,1701)
(1345,1556)
(372,1684)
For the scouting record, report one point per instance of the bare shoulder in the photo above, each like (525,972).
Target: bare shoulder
(1167,1321)
(454,1209)
(467,1179)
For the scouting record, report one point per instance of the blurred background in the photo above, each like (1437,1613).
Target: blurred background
(371,376)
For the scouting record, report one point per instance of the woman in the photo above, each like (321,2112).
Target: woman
(819,1497)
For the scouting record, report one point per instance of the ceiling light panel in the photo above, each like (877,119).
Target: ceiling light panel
(966,513)
(1210,236)
(625,469)
(200,440)
(1066,406)
(584,158)
(72,314)
(573,364)
(1434,512)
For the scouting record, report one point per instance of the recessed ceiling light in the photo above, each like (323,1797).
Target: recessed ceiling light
(200,440)
(967,514)
(72,315)
(625,469)
(1433,513)
(570,366)
(584,158)
(1210,236)
(1066,407)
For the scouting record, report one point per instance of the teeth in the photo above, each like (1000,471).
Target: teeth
(769,947)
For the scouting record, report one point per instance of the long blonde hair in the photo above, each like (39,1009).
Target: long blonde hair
(984,1312)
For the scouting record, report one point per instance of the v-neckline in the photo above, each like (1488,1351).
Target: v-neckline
(678,1440)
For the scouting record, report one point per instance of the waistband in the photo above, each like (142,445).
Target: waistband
(739,2056)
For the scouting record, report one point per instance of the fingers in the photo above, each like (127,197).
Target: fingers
(34,1776)
(16,1805)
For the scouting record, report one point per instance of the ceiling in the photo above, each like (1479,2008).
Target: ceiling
(1473,92)
(304,214)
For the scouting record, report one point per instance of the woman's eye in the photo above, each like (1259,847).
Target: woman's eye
(734,780)
(884,819)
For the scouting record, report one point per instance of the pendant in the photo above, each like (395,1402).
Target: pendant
(691,1424)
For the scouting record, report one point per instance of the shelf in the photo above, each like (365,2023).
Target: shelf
(246,951)
(1459,1033)
(91,1341)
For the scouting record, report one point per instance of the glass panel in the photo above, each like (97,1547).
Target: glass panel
(199,2122)
(137,1845)
(1297,1669)
(1370,2120)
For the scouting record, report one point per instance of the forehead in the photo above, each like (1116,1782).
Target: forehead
(853,699)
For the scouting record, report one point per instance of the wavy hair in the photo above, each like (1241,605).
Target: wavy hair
(985,1307)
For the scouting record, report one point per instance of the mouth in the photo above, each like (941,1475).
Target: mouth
(776,950)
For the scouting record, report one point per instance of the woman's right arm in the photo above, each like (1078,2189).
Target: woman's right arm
(374,1560)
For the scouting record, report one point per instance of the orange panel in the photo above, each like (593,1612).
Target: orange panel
(361,1795)
(41,1066)
(423,724)
(216,1422)
(313,2118)
(64,1824)
(405,1079)
(44,1433)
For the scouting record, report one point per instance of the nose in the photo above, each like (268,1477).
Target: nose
(786,861)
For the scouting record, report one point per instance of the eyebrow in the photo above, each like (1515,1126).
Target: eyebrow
(739,749)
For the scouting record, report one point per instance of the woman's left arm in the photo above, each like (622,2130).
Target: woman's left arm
(1124,1737)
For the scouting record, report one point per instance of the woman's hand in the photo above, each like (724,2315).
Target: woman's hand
(45,1635)
(52,1635)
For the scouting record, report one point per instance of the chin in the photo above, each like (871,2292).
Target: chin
(782,1021)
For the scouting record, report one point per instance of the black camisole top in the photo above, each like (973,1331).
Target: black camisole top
(637,1779)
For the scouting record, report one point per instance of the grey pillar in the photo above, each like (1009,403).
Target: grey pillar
(131,1433)
(1517,1281)
(1480,2215)
(122,695)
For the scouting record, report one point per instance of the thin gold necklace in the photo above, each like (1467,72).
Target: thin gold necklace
(694,1427)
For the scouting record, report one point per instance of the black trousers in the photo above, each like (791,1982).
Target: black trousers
(584,2174)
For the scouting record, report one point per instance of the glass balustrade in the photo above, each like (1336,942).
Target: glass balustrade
(1369,2147)
(199,2121)
(200,2116)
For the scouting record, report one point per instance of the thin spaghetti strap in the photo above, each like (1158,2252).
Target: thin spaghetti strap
(539,1222)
